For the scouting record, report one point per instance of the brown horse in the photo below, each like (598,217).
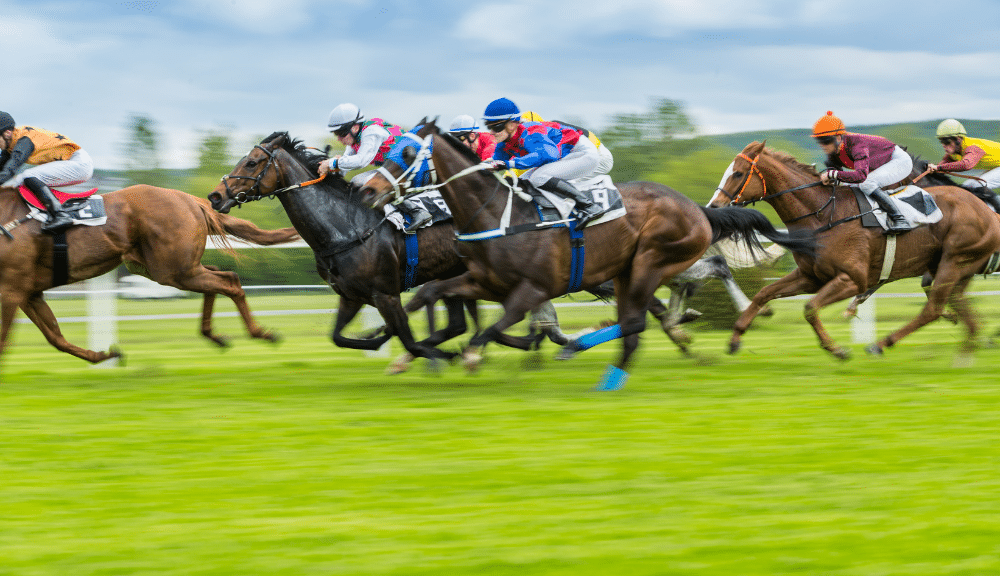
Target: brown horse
(850,260)
(663,234)
(157,231)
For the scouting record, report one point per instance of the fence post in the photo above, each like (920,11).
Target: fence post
(863,325)
(102,312)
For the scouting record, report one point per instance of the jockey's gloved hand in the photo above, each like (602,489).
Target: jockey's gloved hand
(497,165)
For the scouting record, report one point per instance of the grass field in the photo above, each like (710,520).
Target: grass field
(302,458)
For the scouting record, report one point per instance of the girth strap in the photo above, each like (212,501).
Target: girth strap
(60,259)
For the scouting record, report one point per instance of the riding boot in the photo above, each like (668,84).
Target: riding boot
(586,210)
(987,195)
(895,222)
(59,219)
(418,215)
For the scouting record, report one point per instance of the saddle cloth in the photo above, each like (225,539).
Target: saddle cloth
(600,189)
(431,201)
(83,207)
(914,203)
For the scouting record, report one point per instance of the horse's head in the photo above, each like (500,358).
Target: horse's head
(408,164)
(255,176)
(743,180)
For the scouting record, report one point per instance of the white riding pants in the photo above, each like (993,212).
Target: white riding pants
(897,168)
(992,178)
(78,168)
(581,162)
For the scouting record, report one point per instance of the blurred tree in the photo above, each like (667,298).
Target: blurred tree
(141,151)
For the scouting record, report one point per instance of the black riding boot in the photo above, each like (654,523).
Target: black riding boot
(988,196)
(895,221)
(418,216)
(586,210)
(59,219)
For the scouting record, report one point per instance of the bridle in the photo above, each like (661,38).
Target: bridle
(254,192)
(735,200)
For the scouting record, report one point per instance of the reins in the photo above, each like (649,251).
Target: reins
(949,173)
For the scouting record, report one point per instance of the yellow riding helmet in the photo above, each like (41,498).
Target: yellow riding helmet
(950,128)
(529,116)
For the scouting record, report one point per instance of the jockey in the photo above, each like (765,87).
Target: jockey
(607,161)
(368,143)
(553,153)
(962,153)
(872,162)
(55,161)
(464,128)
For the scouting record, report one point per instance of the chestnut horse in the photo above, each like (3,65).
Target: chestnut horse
(850,260)
(160,232)
(662,234)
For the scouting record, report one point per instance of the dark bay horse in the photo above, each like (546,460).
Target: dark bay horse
(358,253)
(850,260)
(159,232)
(663,233)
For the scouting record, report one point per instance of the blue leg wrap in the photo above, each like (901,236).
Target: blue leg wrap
(599,337)
(614,379)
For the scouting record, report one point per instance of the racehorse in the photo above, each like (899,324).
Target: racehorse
(157,232)
(851,258)
(662,234)
(358,252)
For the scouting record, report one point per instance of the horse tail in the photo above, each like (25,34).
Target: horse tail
(747,225)
(246,230)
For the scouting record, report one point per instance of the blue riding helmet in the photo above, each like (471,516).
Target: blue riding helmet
(501,109)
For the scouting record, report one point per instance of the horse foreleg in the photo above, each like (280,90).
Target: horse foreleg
(963,309)
(841,287)
(346,312)
(790,285)
(670,317)
(391,308)
(524,297)
(37,310)
(456,322)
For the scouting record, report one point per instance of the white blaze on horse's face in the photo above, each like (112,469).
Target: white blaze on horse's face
(719,198)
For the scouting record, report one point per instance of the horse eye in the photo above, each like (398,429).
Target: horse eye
(251,163)
(737,174)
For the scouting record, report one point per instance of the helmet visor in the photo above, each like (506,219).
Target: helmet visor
(343,129)
(826,140)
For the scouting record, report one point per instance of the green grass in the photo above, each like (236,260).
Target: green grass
(303,458)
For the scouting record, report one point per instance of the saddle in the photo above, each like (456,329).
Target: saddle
(552,207)
(914,203)
(83,207)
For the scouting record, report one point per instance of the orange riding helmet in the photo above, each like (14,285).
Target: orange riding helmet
(828,125)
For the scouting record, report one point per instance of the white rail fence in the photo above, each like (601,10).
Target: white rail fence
(102,318)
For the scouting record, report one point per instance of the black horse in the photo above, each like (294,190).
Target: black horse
(358,252)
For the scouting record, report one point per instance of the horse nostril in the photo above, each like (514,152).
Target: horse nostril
(215,198)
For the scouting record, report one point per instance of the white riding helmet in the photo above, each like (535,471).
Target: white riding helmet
(345,114)
(464,123)
(950,128)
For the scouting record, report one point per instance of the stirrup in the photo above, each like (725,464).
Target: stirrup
(57,224)
(417,223)
(584,218)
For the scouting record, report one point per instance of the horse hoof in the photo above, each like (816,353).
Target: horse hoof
(874,350)
(399,365)
(472,360)
(734,347)
(434,366)
(115,352)
(766,312)
(841,353)
(272,337)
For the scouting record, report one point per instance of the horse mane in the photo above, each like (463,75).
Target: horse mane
(789,160)
(461,148)
(309,158)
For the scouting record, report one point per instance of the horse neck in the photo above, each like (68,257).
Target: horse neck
(319,215)
(476,200)
(792,206)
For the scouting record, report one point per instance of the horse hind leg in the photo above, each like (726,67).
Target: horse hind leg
(210,281)
(38,311)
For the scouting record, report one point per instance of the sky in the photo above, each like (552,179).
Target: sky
(252,67)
